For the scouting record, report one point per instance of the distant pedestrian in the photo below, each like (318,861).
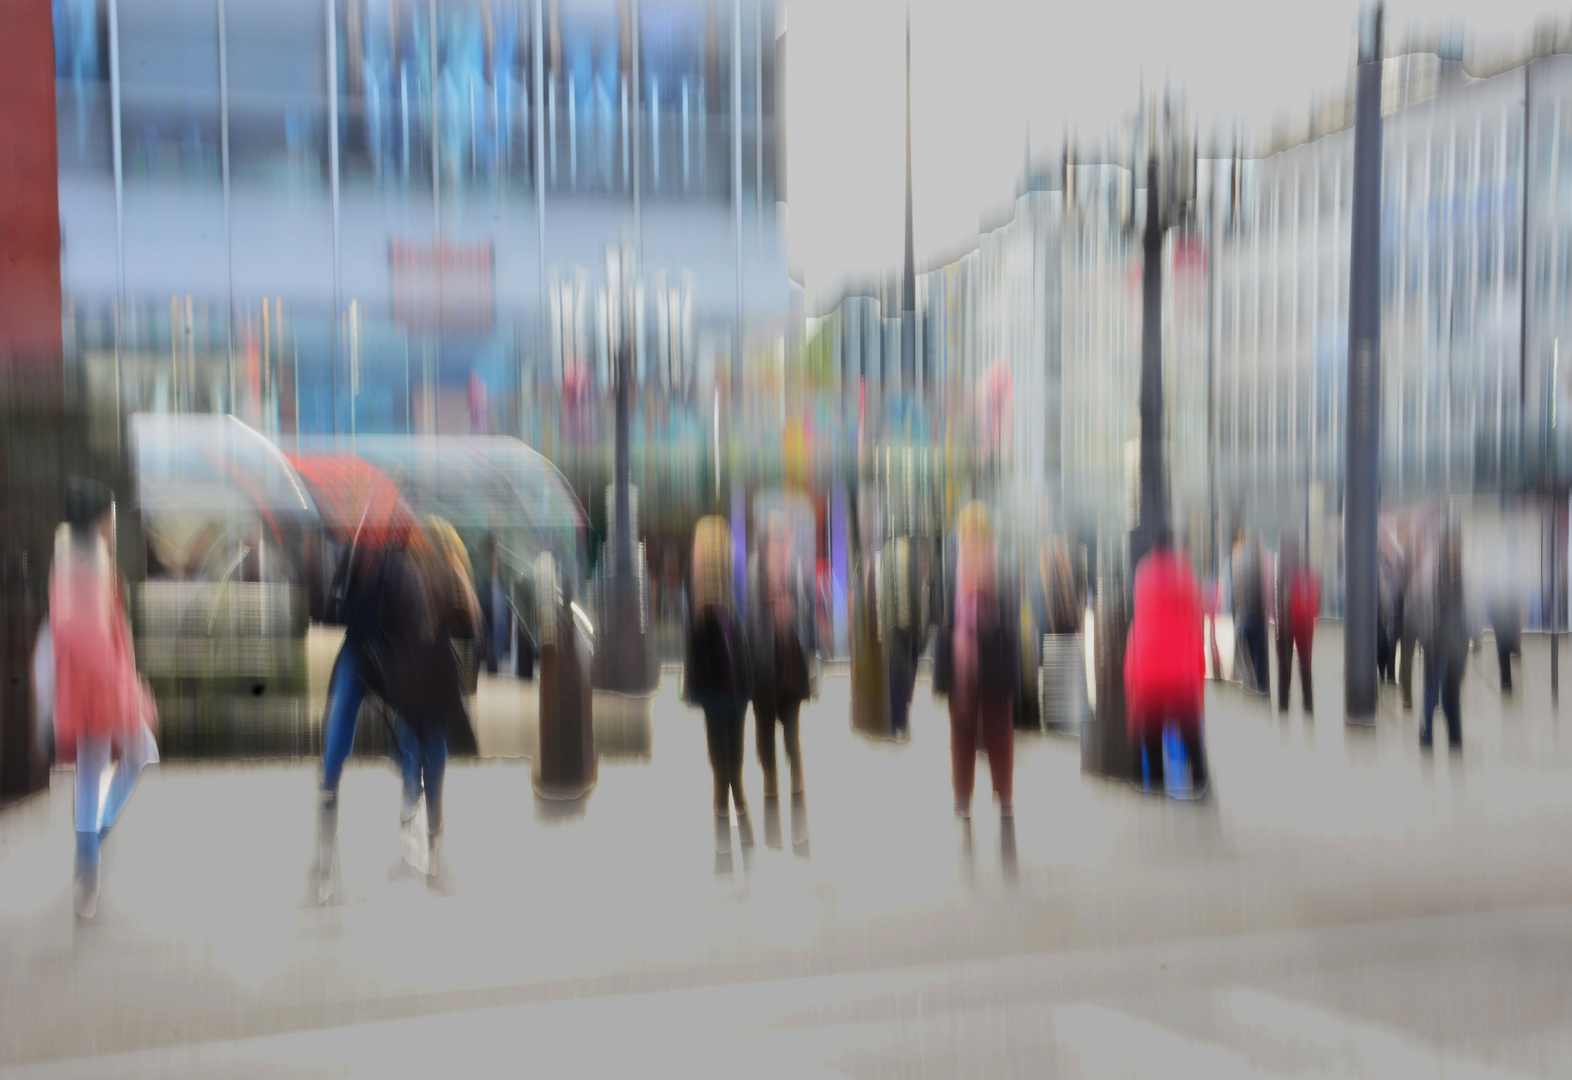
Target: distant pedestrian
(1298,602)
(1249,598)
(1506,619)
(1445,638)
(717,675)
(1165,665)
(977,665)
(102,709)
(781,636)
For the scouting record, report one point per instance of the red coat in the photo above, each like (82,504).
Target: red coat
(97,690)
(1164,661)
(1304,603)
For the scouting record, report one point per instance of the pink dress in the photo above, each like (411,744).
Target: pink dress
(97,690)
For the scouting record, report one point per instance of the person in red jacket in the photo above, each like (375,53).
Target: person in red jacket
(1165,662)
(1298,602)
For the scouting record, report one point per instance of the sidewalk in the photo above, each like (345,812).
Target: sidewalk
(205,933)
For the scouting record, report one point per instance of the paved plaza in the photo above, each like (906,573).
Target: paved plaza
(1343,904)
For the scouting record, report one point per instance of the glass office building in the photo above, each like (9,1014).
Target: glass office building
(393,215)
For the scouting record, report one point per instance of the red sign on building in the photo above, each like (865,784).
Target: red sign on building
(443,288)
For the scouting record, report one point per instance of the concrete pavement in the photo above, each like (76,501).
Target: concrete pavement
(1344,904)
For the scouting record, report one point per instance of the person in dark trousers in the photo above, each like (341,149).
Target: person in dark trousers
(1249,595)
(977,666)
(781,633)
(904,633)
(1446,640)
(1165,665)
(1298,602)
(1507,621)
(717,677)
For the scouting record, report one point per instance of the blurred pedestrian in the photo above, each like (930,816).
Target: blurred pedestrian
(1298,602)
(977,665)
(903,631)
(1249,596)
(1445,638)
(717,675)
(1506,619)
(364,577)
(431,604)
(781,635)
(1408,589)
(102,709)
(1165,665)
(1389,604)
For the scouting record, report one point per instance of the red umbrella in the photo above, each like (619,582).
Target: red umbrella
(356,500)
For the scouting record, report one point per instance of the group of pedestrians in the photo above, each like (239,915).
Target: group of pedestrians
(764,658)
(404,592)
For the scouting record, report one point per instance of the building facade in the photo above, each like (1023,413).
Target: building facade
(394,215)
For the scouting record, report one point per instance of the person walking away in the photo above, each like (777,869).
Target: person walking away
(781,633)
(1165,665)
(1407,616)
(1298,603)
(903,631)
(1446,643)
(1250,615)
(103,710)
(431,604)
(1506,619)
(977,666)
(717,677)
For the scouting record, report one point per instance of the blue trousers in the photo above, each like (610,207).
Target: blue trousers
(345,693)
(425,756)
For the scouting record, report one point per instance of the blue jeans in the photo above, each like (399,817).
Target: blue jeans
(94,811)
(345,693)
(424,751)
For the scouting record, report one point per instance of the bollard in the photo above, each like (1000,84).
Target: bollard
(564,768)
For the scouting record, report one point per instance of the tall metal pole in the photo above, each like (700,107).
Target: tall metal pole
(909,277)
(1361,499)
(1154,501)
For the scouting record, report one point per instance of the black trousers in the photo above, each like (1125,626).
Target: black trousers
(765,718)
(1287,644)
(723,728)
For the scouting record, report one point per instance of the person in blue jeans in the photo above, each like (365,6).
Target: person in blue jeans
(398,645)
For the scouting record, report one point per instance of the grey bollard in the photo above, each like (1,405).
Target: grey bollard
(564,768)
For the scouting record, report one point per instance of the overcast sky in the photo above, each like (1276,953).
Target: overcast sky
(989,74)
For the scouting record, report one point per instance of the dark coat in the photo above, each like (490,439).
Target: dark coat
(768,651)
(407,655)
(716,664)
(999,657)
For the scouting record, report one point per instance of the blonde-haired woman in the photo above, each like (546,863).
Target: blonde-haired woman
(977,664)
(716,673)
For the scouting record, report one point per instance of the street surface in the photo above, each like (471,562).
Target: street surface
(1342,905)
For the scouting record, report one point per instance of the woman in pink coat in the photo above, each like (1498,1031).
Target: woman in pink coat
(1165,662)
(102,708)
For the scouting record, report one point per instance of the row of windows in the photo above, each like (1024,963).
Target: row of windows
(421,82)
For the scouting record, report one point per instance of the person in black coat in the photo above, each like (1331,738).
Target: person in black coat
(717,674)
(781,633)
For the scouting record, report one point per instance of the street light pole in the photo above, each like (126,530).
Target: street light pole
(1154,502)
(1361,503)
